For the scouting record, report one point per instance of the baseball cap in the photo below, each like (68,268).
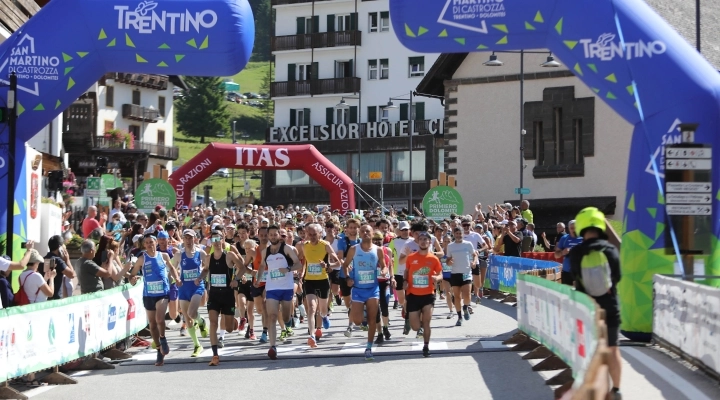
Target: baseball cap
(185,207)
(265,220)
(403,225)
(189,232)
(137,238)
(35,257)
(158,207)
(163,235)
(288,216)
(66,223)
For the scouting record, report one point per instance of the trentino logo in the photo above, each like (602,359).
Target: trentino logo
(112,317)
(606,49)
(144,19)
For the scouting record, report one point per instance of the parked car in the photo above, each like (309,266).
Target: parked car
(200,200)
(233,96)
(222,172)
(250,95)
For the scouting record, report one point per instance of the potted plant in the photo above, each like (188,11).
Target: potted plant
(119,138)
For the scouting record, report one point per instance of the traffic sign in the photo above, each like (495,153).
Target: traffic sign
(375,174)
(682,209)
(93,187)
(689,187)
(688,164)
(522,190)
(688,198)
(693,152)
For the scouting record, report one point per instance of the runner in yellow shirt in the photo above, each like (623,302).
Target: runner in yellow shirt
(320,259)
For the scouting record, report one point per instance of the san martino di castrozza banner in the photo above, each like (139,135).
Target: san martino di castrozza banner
(70,44)
(636,63)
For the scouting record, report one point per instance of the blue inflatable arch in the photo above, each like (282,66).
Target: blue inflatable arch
(635,62)
(70,44)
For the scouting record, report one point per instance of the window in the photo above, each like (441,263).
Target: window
(400,166)
(417,66)
(371,162)
(109,125)
(109,96)
(300,117)
(373,22)
(161,137)
(577,140)
(344,69)
(385,21)
(384,114)
(372,69)
(557,135)
(539,147)
(441,160)
(343,22)
(135,130)
(307,25)
(384,68)
(136,97)
(291,178)
(342,116)
(304,72)
(339,160)
(161,106)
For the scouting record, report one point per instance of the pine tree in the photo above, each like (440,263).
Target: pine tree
(202,111)
(264,28)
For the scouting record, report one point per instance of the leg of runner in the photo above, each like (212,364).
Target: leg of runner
(261,309)
(384,311)
(173,305)
(426,316)
(483,272)
(241,304)
(158,333)
(400,280)
(312,304)
(286,310)
(465,292)
(477,286)
(449,296)
(458,299)
(272,306)
(372,306)
(190,310)
(214,316)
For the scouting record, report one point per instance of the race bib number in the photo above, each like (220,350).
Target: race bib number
(467,277)
(218,280)
(446,268)
(366,277)
(314,269)
(248,277)
(420,281)
(156,287)
(263,277)
(276,274)
(190,274)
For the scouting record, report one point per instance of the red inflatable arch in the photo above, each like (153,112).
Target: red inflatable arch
(301,157)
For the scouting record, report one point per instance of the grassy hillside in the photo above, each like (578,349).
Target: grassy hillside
(250,120)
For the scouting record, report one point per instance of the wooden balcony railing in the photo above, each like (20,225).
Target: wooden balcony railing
(151,81)
(316,40)
(154,150)
(140,113)
(315,86)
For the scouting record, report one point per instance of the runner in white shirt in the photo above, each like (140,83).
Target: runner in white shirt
(463,258)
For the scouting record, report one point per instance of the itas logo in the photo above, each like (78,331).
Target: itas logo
(145,20)
(131,309)
(30,66)
(606,49)
(112,317)
(71,321)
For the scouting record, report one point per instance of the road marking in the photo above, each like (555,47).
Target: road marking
(358,348)
(417,346)
(494,344)
(675,380)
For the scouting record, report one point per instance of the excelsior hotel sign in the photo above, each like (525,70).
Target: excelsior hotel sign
(321,133)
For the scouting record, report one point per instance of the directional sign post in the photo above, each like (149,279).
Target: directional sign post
(522,190)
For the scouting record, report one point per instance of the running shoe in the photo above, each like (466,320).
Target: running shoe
(364,326)
(153,345)
(221,342)
(197,351)
(450,315)
(459,322)
(203,328)
(470,310)
(442,296)
(426,351)
(330,306)
(419,333)
(348,332)
(272,353)
(474,299)
(264,337)
(183,330)
(252,335)
(302,319)
(338,300)
(247,333)
(312,342)
(395,305)
(318,333)
(386,332)
(243,321)
(178,319)
(164,347)
(369,355)
(326,322)
(406,328)
(289,331)
(160,360)
(466,314)
(380,339)
(283,335)
(214,362)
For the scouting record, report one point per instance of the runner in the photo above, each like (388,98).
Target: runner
(257,292)
(396,245)
(346,240)
(447,271)
(279,260)
(190,263)
(221,266)
(164,246)
(242,293)
(462,257)
(156,289)
(478,243)
(366,259)
(386,281)
(320,259)
(422,268)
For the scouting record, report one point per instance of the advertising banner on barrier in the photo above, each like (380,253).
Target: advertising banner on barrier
(560,318)
(43,335)
(503,271)
(685,315)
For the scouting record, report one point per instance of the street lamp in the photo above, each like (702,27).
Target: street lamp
(411,116)
(550,63)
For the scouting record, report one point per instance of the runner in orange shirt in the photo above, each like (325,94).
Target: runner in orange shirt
(422,270)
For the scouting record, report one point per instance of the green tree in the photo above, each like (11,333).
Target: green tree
(265,91)
(264,28)
(203,110)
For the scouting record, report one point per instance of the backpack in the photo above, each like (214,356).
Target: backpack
(595,273)
(20,297)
